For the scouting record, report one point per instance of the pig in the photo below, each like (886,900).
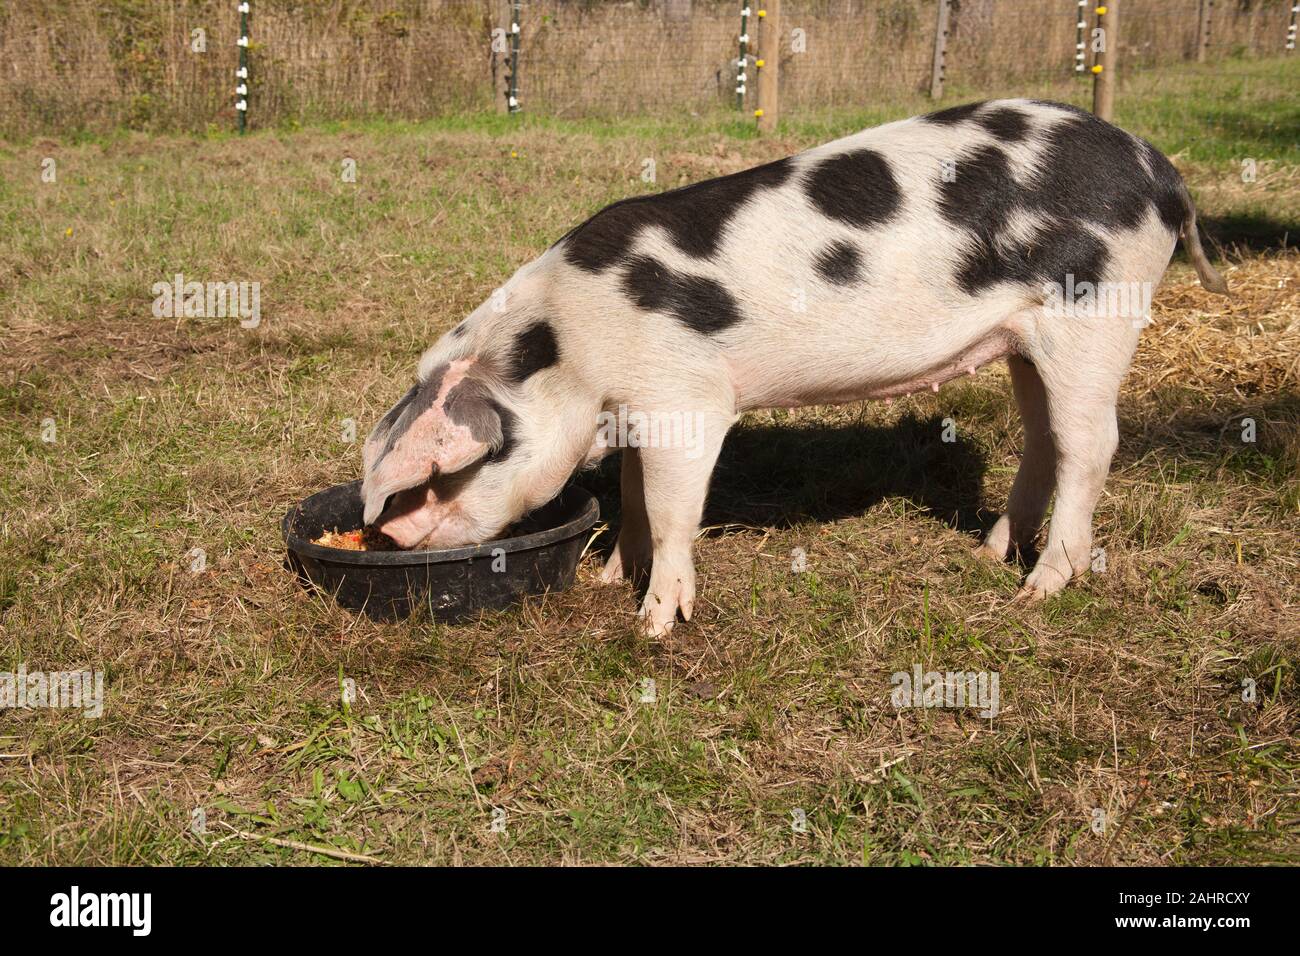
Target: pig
(874,266)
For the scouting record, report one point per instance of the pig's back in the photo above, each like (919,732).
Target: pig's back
(869,254)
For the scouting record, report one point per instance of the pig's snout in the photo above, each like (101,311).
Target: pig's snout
(418,518)
(408,517)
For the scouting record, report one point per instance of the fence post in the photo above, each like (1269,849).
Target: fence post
(940,50)
(1203,30)
(1291,27)
(1103,81)
(241,74)
(768,66)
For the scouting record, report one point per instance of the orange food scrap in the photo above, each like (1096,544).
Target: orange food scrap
(361,539)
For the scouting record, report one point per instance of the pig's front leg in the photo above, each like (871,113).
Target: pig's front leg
(630,558)
(676,481)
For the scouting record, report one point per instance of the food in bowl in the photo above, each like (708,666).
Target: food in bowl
(368,538)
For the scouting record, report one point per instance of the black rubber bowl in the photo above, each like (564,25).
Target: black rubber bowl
(454,584)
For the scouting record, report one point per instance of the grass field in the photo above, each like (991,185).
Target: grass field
(1122,698)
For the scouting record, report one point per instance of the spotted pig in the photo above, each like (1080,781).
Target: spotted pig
(887,262)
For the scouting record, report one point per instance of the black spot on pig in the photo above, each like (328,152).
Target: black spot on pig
(699,303)
(840,263)
(1092,171)
(1089,173)
(981,193)
(983,266)
(1053,254)
(694,216)
(1049,256)
(856,187)
(534,349)
(953,114)
(1008,125)
(459,330)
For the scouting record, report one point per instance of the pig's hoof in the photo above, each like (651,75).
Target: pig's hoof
(1028,595)
(658,612)
(1042,582)
(657,618)
(997,543)
(613,572)
(653,627)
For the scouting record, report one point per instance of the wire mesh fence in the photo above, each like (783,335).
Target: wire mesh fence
(154,64)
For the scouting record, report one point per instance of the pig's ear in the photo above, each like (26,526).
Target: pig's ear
(374,446)
(422,436)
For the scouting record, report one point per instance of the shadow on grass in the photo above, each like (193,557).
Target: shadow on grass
(781,475)
(1213,437)
(1240,233)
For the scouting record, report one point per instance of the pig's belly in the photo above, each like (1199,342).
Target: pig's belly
(811,373)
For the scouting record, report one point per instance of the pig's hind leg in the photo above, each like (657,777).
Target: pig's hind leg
(630,559)
(1018,526)
(1081,398)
